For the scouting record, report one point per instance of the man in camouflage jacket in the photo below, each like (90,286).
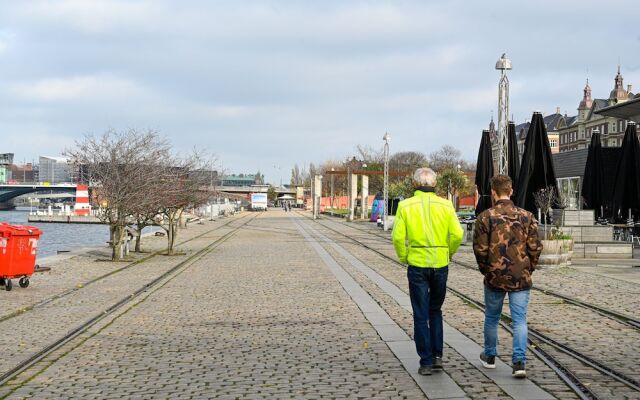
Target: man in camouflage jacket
(507,249)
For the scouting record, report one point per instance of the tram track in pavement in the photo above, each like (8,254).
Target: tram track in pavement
(619,317)
(38,362)
(567,374)
(84,285)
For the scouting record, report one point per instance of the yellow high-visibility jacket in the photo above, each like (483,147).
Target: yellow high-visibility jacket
(426,231)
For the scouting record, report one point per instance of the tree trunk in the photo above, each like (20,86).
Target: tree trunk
(174,230)
(112,237)
(117,243)
(139,229)
(170,234)
(182,220)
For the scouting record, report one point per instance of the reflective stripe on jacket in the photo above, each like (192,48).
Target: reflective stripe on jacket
(426,231)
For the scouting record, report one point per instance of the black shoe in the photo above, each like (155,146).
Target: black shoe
(488,361)
(424,370)
(518,370)
(437,363)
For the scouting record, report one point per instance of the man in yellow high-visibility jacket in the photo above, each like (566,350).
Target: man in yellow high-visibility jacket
(426,233)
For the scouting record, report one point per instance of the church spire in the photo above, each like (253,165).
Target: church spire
(587,101)
(618,93)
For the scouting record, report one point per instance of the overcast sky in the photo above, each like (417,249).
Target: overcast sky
(266,84)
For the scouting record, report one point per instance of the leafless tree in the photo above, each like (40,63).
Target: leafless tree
(544,199)
(370,155)
(184,183)
(118,165)
(447,157)
(407,161)
(145,210)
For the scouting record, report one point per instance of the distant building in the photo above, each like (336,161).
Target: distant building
(26,173)
(54,170)
(552,123)
(576,131)
(6,159)
(241,180)
(628,110)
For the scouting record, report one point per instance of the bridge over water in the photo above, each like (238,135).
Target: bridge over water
(9,192)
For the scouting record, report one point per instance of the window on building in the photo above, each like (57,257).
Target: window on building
(553,143)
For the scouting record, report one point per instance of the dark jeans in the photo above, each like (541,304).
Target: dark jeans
(427,288)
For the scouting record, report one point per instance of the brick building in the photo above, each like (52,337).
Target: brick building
(575,132)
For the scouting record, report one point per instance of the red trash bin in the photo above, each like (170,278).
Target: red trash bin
(18,246)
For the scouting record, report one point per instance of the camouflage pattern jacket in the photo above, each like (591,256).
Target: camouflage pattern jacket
(506,246)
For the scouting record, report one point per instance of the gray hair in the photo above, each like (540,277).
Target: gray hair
(425,177)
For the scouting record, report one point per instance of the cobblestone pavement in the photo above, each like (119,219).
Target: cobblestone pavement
(466,319)
(605,340)
(33,329)
(262,317)
(620,294)
(614,294)
(259,317)
(71,272)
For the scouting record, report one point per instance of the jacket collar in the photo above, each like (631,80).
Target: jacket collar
(423,190)
(504,201)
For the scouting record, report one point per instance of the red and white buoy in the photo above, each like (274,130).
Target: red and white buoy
(82,206)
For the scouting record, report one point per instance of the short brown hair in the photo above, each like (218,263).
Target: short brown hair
(501,184)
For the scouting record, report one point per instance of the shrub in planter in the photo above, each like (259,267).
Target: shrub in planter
(566,247)
(550,256)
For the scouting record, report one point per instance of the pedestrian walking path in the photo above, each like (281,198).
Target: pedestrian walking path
(277,309)
(437,386)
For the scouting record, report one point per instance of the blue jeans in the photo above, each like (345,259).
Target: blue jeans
(427,288)
(518,304)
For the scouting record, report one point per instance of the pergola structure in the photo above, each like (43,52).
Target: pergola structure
(352,191)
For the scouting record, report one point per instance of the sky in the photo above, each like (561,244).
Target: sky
(266,84)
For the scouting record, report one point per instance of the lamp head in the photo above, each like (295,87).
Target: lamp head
(503,63)
(386,137)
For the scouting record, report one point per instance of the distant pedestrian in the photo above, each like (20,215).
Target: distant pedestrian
(426,233)
(507,249)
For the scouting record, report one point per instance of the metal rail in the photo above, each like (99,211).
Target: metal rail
(43,353)
(564,373)
(624,319)
(605,312)
(101,277)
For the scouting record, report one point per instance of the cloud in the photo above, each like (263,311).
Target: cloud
(78,88)
(272,82)
(95,16)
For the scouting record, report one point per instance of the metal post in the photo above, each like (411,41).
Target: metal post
(385,215)
(332,198)
(364,209)
(503,64)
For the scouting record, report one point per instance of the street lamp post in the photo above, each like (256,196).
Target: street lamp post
(455,193)
(385,195)
(503,65)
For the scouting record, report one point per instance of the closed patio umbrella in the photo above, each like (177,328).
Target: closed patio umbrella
(536,169)
(626,190)
(484,173)
(513,155)
(593,188)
